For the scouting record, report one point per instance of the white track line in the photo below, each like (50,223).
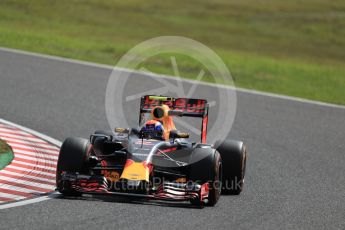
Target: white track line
(29,201)
(108,67)
(30,139)
(33,200)
(14,132)
(35,133)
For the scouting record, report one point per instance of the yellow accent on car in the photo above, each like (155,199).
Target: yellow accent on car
(112,176)
(136,171)
(181,180)
(160,98)
(121,130)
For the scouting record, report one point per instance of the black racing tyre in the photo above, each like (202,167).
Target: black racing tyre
(206,167)
(73,158)
(215,183)
(234,157)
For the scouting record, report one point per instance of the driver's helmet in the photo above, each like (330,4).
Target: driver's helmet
(154,129)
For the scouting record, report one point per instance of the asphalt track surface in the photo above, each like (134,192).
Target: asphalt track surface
(295,172)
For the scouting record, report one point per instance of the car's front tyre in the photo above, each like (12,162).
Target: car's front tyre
(206,167)
(73,157)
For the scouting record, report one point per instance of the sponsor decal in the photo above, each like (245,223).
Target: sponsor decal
(144,142)
(112,176)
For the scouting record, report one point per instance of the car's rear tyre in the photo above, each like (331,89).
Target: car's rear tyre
(206,167)
(73,158)
(234,157)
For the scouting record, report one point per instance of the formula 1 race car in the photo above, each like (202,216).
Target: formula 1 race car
(154,161)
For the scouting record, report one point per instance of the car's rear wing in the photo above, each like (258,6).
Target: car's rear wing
(187,107)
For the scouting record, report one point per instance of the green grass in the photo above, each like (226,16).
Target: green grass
(289,47)
(6,154)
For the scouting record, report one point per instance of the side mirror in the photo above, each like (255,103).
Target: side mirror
(175,134)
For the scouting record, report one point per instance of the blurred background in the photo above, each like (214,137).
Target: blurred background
(294,47)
